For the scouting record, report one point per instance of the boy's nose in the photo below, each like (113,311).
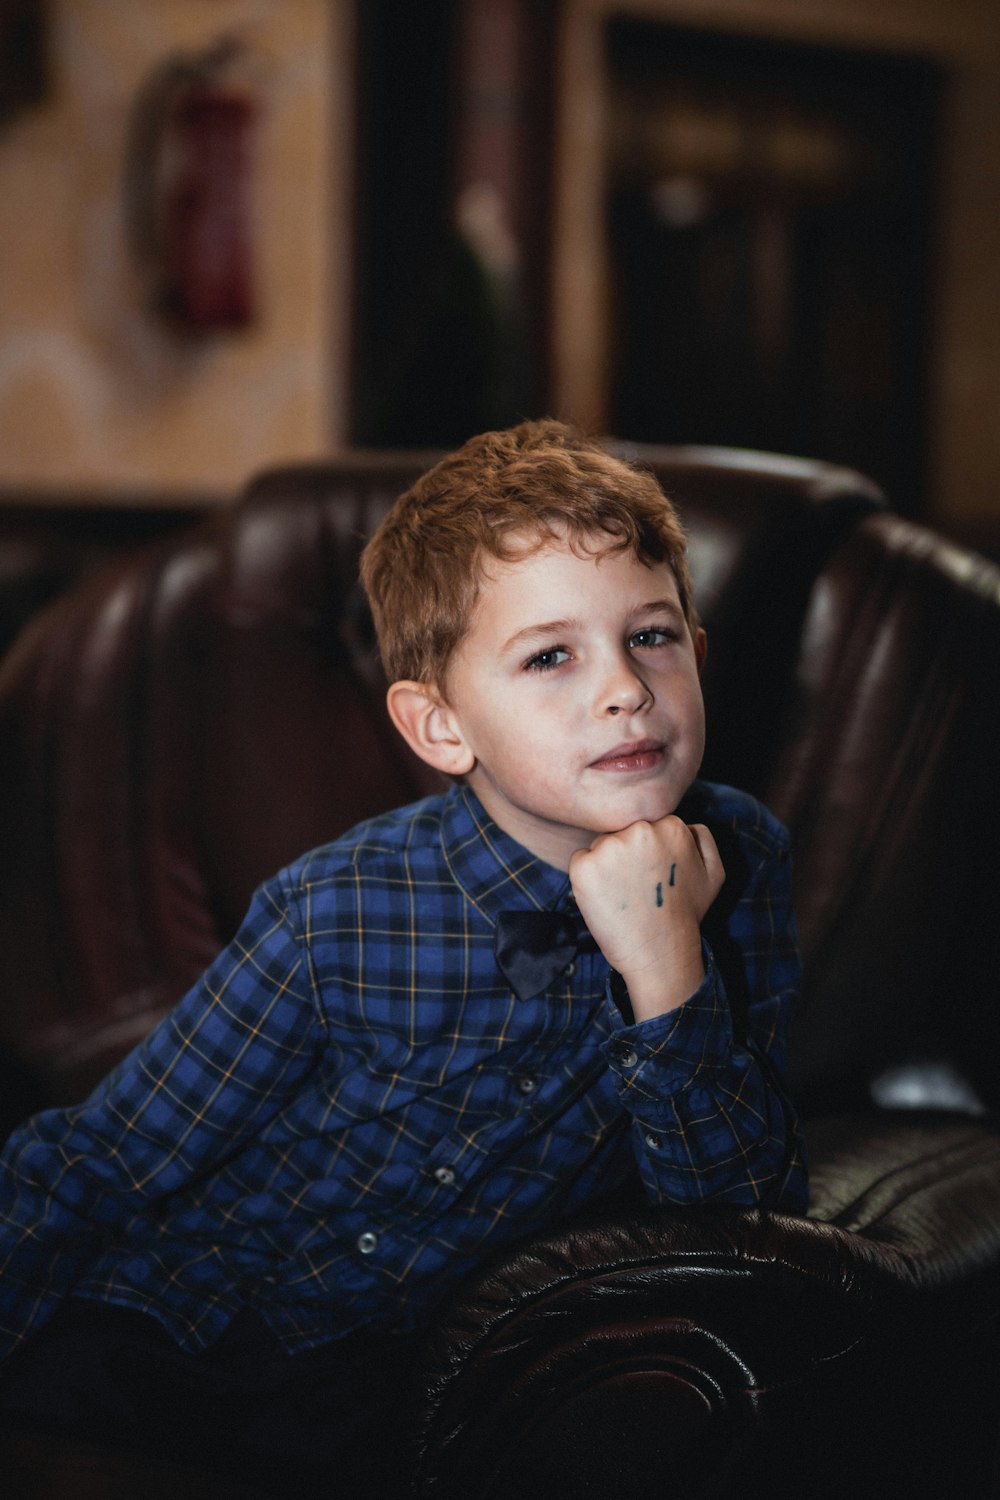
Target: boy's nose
(623,691)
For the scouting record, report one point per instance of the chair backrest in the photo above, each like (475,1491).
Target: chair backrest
(885,777)
(202,711)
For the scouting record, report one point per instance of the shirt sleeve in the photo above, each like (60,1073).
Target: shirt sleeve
(213,1072)
(704,1083)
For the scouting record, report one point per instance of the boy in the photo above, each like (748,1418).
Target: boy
(457,1024)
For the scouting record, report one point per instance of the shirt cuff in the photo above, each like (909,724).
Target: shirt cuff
(667,1051)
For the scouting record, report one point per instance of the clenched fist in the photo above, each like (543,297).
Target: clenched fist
(643,893)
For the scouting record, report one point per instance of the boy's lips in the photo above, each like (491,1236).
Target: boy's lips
(637,755)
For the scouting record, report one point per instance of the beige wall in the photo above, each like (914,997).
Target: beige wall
(964,36)
(94,391)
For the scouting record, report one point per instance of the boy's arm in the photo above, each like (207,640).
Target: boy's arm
(213,1072)
(702,1073)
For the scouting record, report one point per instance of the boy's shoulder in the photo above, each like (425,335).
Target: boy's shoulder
(391,840)
(725,807)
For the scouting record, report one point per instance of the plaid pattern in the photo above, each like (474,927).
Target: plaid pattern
(351,1108)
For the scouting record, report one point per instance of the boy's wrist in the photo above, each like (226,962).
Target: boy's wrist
(663,985)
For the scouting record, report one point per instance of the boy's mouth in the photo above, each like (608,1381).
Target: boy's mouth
(639,755)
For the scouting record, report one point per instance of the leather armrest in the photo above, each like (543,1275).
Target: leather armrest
(696,1335)
(916,1195)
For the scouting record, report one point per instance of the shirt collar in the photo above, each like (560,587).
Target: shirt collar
(493,870)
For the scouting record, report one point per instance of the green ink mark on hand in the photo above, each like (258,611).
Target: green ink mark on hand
(673,872)
(659,893)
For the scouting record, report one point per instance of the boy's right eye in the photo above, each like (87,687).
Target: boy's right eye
(544,661)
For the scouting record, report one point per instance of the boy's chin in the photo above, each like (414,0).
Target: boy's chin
(635,810)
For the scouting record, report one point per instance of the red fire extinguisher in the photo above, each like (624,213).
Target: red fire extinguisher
(189,173)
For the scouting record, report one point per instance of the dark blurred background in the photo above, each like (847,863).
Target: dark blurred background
(767,219)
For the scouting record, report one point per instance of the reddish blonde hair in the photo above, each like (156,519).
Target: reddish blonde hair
(424,565)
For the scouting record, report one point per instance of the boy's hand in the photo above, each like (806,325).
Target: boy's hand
(643,893)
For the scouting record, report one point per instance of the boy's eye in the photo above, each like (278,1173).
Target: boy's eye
(652,635)
(546,660)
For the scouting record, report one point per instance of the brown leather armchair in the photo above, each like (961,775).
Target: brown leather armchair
(178,727)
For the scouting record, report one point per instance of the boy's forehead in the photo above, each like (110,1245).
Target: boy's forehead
(512,583)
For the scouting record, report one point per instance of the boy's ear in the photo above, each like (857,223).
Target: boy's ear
(429,727)
(700,648)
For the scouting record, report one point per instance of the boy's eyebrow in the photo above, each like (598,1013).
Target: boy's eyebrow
(533,632)
(544,628)
(667,606)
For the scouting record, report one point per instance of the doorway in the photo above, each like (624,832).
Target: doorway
(769,226)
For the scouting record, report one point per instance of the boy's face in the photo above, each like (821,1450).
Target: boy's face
(577,692)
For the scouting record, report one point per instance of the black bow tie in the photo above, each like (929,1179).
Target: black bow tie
(534,947)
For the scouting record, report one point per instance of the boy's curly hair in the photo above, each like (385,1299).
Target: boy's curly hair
(423,567)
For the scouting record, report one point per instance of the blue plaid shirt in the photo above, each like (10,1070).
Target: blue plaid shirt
(350,1109)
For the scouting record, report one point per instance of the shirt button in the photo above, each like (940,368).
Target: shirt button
(626,1055)
(653,1141)
(570,969)
(445,1176)
(367,1242)
(527,1083)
